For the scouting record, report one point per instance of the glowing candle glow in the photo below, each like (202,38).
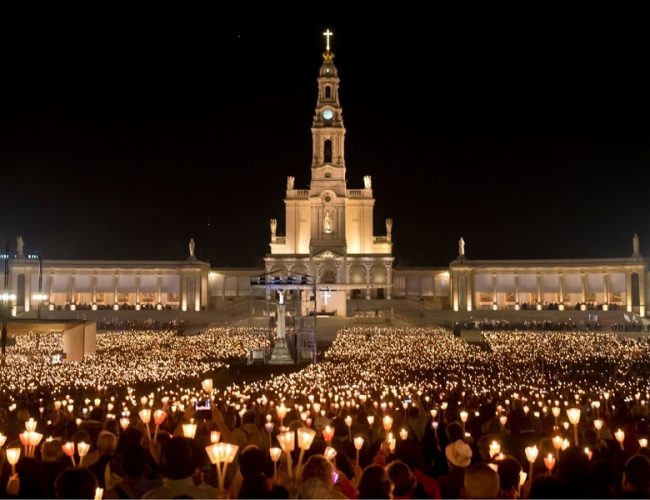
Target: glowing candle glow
(495,449)
(330,453)
(30,425)
(387,422)
(549,462)
(403,434)
(13,455)
(643,442)
(207,386)
(215,436)
(189,430)
(620,437)
(328,433)
(531,456)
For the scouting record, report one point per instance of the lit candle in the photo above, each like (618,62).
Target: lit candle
(82,449)
(620,437)
(495,449)
(549,462)
(276,453)
(68,449)
(531,456)
(403,434)
(328,433)
(189,430)
(13,455)
(358,444)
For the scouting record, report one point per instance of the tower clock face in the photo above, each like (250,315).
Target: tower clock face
(327,114)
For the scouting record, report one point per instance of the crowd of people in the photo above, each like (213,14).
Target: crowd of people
(389,413)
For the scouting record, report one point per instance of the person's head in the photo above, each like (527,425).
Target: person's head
(177,459)
(248,417)
(106,443)
(51,451)
(75,482)
(480,482)
(318,467)
(252,461)
(636,473)
(129,437)
(404,482)
(134,459)
(254,486)
(458,454)
(374,483)
(96,414)
(545,486)
(509,470)
(454,432)
(344,464)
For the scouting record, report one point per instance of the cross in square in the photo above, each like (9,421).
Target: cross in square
(327,35)
(326,296)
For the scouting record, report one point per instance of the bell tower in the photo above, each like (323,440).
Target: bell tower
(328,132)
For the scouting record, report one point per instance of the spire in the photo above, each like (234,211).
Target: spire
(328,131)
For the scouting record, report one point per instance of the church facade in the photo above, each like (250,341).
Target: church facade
(329,236)
(329,228)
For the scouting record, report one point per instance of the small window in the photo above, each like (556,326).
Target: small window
(328,175)
(328,92)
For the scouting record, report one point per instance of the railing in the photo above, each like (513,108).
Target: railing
(299,193)
(355,193)
(380,239)
(280,239)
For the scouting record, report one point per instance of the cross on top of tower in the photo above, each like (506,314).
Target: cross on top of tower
(327,34)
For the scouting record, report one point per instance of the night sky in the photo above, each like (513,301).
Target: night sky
(123,135)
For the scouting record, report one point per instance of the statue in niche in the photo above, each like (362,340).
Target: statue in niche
(461,247)
(290,182)
(389,228)
(192,245)
(20,246)
(367,181)
(327,223)
(274,226)
(635,245)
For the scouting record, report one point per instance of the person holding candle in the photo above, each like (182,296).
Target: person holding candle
(459,456)
(133,466)
(319,479)
(178,465)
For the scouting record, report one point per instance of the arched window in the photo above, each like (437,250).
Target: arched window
(327,151)
(328,92)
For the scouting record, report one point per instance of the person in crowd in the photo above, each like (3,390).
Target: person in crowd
(636,477)
(76,482)
(133,484)
(106,446)
(459,456)
(318,479)
(509,471)
(404,482)
(409,452)
(480,481)
(178,464)
(374,483)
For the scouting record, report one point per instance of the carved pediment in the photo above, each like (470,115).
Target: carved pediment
(328,254)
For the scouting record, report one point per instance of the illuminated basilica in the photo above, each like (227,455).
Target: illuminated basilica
(329,234)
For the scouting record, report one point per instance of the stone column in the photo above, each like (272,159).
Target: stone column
(73,304)
(562,287)
(389,281)
(642,292)
(494,292)
(606,288)
(159,280)
(469,295)
(116,304)
(584,288)
(93,288)
(539,292)
(183,292)
(453,290)
(517,301)
(367,266)
(197,291)
(628,291)
(137,291)
(348,292)
(28,292)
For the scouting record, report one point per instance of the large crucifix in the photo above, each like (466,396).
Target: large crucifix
(326,295)
(327,35)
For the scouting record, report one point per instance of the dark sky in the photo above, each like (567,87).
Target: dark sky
(123,134)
